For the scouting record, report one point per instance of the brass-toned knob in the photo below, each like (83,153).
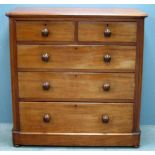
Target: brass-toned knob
(46,86)
(46,118)
(107,58)
(45,57)
(107,32)
(105,118)
(106,87)
(45,32)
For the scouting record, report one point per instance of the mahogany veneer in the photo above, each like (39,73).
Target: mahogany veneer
(76,76)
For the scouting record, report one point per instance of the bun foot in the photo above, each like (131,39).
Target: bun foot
(16,145)
(136,146)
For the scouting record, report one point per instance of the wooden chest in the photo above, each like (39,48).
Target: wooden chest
(76,76)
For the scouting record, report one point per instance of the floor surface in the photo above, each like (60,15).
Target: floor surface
(147,142)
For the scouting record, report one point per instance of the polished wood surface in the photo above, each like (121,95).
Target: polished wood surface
(76,76)
(76,12)
(76,57)
(65,117)
(77,86)
(75,139)
(32,31)
(138,82)
(14,75)
(120,31)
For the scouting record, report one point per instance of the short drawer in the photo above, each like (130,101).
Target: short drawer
(107,31)
(101,57)
(69,117)
(44,31)
(76,86)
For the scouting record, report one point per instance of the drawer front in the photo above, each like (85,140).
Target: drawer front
(76,57)
(45,31)
(76,86)
(76,117)
(107,32)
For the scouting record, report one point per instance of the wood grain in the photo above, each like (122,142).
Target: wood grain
(138,80)
(83,139)
(76,12)
(75,117)
(78,86)
(94,31)
(58,31)
(14,75)
(77,57)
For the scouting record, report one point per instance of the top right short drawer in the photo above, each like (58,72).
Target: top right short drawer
(107,31)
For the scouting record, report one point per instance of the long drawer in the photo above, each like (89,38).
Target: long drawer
(76,86)
(76,57)
(69,117)
(45,31)
(107,31)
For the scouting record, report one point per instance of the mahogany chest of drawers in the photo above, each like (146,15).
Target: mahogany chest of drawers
(76,76)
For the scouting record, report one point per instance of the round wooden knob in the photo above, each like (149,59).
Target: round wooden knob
(46,118)
(107,32)
(45,57)
(46,86)
(105,118)
(45,32)
(106,87)
(107,58)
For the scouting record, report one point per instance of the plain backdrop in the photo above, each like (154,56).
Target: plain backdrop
(148,91)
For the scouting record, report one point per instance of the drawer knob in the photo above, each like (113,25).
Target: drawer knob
(46,85)
(45,57)
(106,87)
(45,32)
(107,32)
(105,118)
(107,58)
(46,118)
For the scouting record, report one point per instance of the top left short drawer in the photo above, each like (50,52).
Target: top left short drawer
(45,31)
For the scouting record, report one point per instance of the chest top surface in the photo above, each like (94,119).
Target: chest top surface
(73,12)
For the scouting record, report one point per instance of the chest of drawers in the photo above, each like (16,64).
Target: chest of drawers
(76,76)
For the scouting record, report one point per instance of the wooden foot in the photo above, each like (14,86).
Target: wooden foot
(136,146)
(16,145)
